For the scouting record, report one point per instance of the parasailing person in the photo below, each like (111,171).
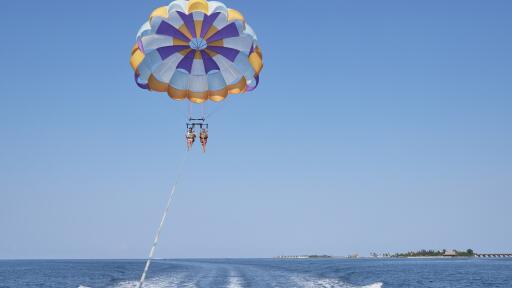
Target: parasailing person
(203,137)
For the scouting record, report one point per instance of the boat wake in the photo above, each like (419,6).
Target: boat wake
(236,281)
(307,282)
(197,274)
(160,282)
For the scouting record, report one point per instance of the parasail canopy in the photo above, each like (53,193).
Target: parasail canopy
(197,50)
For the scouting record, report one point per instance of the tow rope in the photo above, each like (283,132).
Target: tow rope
(162,222)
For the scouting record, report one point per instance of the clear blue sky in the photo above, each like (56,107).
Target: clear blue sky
(378,126)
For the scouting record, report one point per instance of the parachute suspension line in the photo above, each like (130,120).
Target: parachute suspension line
(219,107)
(162,222)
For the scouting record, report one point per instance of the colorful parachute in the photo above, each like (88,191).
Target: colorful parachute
(197,50)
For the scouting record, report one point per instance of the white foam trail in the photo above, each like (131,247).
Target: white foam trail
(159,282)
(374,285)
(234,281)
(307,282)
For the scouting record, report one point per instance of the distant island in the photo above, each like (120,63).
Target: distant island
(436,253)
(411,254)
(304,257)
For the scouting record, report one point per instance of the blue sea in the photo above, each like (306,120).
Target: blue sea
(260,273)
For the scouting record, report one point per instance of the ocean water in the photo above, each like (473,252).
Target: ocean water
(260,273)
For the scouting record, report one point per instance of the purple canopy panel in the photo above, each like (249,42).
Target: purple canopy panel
(188,19)
(209,63)
(186,62)
(167,51)
(208,22)
(227,31)
(255,86)
(143,86)
(141,47)
(227,52)
(167,29)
